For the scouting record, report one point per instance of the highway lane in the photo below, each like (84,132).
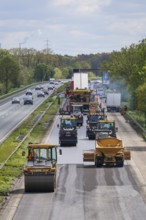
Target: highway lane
(85,192)
(11,115)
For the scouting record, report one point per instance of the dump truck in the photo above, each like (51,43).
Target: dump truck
(40,169)
(109,152)
(68,131)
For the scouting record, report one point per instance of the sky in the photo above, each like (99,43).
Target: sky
(72,27)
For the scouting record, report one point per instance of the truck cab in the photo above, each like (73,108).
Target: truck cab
(77,112)
(68,131)
(107,128)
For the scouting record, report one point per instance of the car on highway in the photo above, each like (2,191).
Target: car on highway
(46,91)
(50,87)
(38,87)
(16,100)
(40,94)
(28,99)
(28,92)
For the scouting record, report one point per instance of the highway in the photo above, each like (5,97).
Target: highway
(11,115)
(84,192)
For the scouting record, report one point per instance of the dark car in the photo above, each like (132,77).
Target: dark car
(50,87)
(38,87)
(28,92)
(15,100)
(46,92)
(28,99)
(40,94)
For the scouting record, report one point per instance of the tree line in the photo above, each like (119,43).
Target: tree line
(128,66)
(22,66)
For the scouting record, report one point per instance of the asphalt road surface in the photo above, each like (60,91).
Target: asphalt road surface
(84,192)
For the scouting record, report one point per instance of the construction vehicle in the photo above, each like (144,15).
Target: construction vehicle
(93,107)
(77,111)
(63,111)
(109,152)
(92,124)
(68,131)
(81,97)
(106,128)
(40,170)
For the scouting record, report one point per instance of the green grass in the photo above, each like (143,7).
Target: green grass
(2,198)
(138,116)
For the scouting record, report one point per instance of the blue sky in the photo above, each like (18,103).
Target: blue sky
(72,27)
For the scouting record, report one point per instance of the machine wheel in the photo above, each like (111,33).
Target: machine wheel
(99,161)
(61,143)
(119,162)
(91,138)
(73,144)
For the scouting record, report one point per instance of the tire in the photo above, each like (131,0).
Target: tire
(119,162)
(99,161)
(91,138)
(61,143)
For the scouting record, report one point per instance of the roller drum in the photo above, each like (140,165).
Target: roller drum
(39,183)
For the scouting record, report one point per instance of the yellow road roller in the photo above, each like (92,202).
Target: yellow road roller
(40,170)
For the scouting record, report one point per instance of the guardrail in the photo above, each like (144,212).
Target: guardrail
(20,90)
(135,124)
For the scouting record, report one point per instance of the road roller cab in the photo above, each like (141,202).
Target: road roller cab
(40,170)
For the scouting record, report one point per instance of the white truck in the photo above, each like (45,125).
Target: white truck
(113,101)
(80,81)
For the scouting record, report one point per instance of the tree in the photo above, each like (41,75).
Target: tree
(58,73)
(40,72)
(9,72)
(141,99)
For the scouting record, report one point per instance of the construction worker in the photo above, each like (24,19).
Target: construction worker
(30,154)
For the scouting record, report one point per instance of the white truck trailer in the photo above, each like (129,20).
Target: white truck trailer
(80,81)
(113,101)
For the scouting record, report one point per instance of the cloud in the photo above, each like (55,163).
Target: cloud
(83,7)
(72,25)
